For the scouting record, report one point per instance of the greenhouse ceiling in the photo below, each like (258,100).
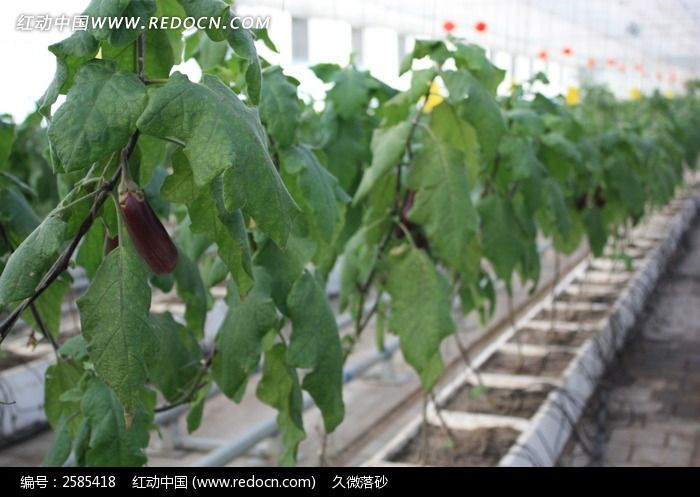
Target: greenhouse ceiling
(649,36)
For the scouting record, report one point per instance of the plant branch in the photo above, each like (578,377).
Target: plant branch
(64,260)
(386,239)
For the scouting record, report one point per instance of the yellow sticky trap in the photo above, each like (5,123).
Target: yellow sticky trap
(434,99)
(572,95)
(668,93)
(635,93)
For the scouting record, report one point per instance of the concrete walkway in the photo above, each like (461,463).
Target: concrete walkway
(647,410)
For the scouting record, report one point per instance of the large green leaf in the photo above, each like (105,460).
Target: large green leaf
(111,442)
(221,134)
(31,261)
(114,317)
(239,340)
(180,187)
(501,240)
(284,267)
(279,106)
(317,191)
(92,249)
(99,115)
(124,35)
(60,378)
(49,306)
(70,53)
(476,105)
(7,136)
(243,43)
(473,57)
(315,344)
(388,147)
(279,388)
(104,9)
(17,214)
(449,128)
(209,9)
(420,312)
(350,93)
(226,229)
(443,205)
(60,447)
(175,363)
(190,289)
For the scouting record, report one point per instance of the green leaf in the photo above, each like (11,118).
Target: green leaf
(317,192)
(450,129)
(479,107)
(16,213)
(442,204)
(420,312)
(279,388)
(7,136)
(60,378)
(280,110)
(473,58)
(31,261)
(325,71)
(220,135)
(501,242)
(596,230)
(388,147)
(74,348)
(48,305)
(135,9)
(350,93)
(175,363)
(239,339)
(105,8)
(179,187)
(91,249)
(110,442)
(194,416)
(207,9)
(399,106)
(227,230)
(284,267)
(99,115)
(243,43)
(114,317)
(315,344)
(159,56)
(436,49)
(348,150)
(60,445)
(70,53)
(190,289)
(556,208)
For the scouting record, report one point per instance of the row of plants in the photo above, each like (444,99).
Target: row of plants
(420,197)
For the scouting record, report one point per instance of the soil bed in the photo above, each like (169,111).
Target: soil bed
(521,403)
(550,365)
(480,447)
(532,336)
(575,315)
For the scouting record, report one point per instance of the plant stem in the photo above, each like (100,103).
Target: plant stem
(63,261)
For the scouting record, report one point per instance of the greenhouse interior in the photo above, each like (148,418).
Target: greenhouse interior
(347,237)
